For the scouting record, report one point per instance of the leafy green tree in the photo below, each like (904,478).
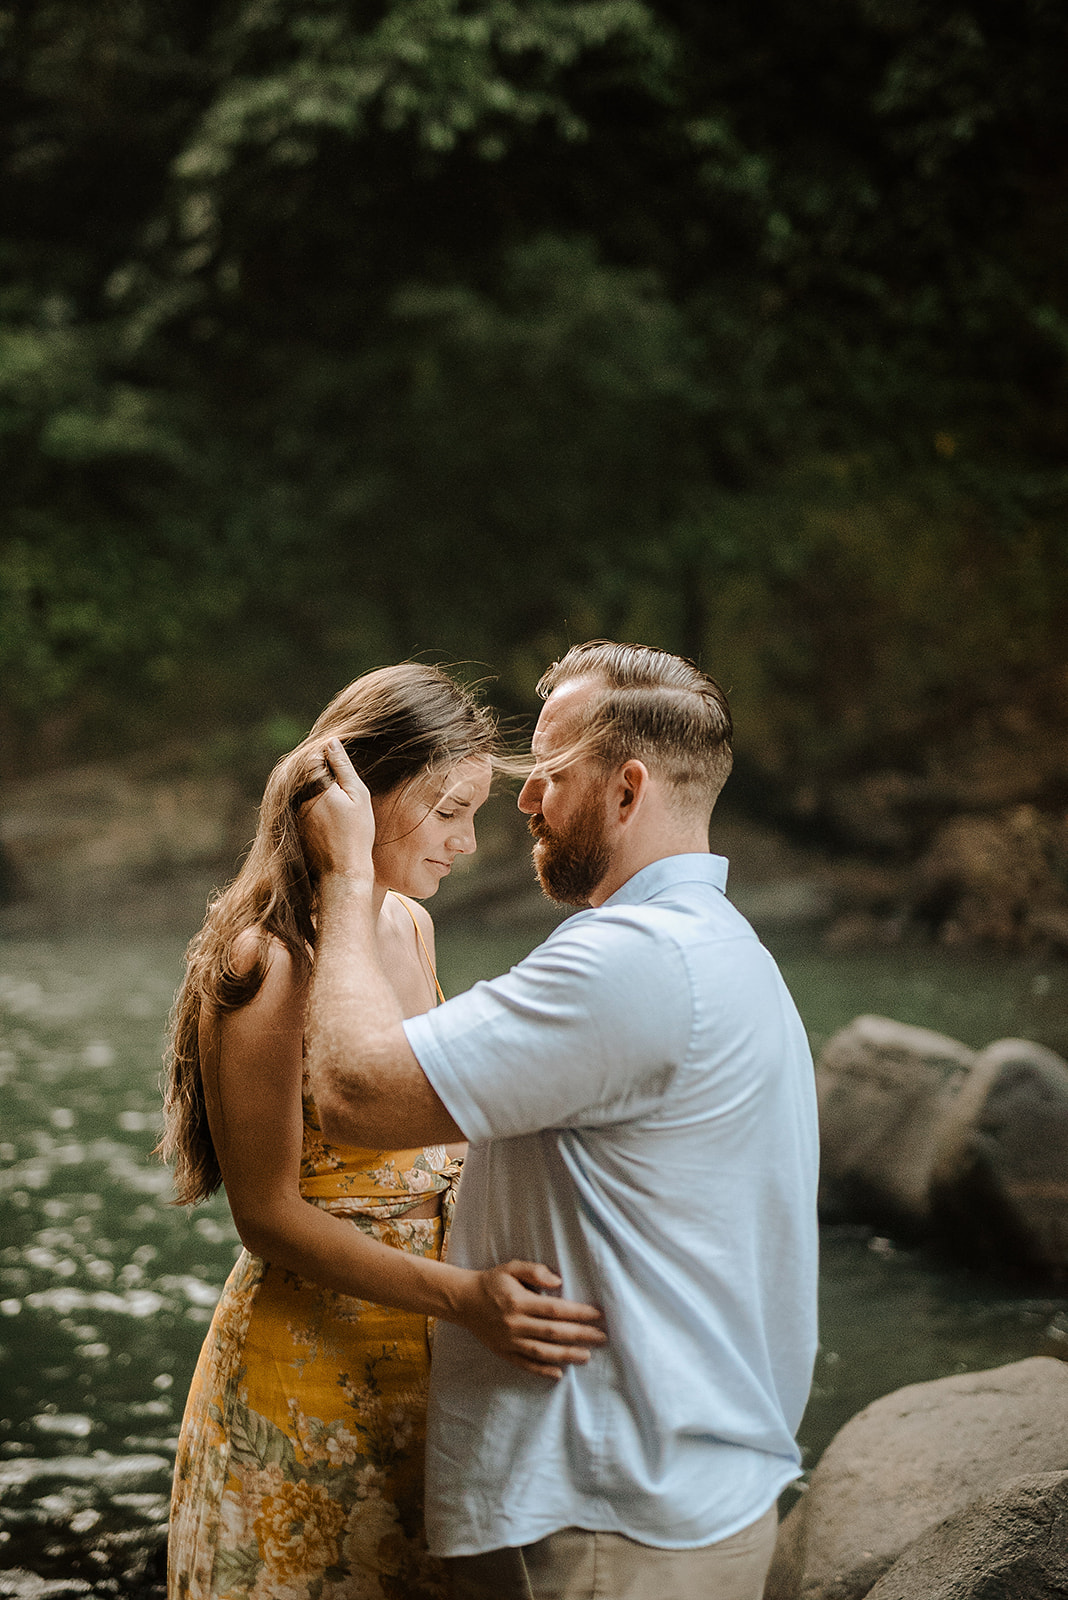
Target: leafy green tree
(468,326)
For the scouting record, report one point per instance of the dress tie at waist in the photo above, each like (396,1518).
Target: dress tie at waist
(378,1208)
(333,1192)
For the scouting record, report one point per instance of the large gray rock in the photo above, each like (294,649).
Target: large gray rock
(999,1181)
(910,1460)
(921,1134)
(886,1090)
(787,1569)
(1010,1546)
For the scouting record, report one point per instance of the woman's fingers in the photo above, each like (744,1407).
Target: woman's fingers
(533,1274)
(547,1359)
(565,1310)
(574,1355)
(534,1330)
(535,1326)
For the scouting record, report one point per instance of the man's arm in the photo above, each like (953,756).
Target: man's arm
(368,1086)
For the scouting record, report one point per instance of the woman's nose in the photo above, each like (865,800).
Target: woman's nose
(463,840)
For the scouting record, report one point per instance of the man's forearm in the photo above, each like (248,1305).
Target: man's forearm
(367,1085)
(353,1013)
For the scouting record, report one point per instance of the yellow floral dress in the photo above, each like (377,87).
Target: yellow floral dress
(300,1459)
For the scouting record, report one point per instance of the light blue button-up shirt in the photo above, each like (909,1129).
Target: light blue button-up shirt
(639,1098)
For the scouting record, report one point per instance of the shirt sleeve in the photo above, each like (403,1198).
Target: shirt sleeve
(587,1031)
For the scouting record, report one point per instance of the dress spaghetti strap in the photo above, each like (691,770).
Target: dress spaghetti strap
(422,941)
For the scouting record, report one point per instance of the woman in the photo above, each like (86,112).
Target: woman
(299,1470)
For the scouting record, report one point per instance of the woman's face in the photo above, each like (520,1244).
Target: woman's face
(419,832)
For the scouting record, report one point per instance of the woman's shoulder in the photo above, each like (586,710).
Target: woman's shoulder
(281,970)
(408,908)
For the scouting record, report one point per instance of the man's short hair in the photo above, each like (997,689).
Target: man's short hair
(656,707)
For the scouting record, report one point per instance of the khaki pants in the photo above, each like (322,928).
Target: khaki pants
(576,1565)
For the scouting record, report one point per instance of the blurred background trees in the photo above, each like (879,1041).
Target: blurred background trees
(334,332)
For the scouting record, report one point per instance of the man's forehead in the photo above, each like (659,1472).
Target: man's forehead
(562,715)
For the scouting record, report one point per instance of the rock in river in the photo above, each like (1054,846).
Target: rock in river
(999,1181)
(910,1460)
(1012,1545)
(885,1092)
(920,1134)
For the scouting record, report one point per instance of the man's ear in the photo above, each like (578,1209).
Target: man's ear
(632,784)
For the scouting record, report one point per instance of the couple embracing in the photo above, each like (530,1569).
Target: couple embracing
(623,1331)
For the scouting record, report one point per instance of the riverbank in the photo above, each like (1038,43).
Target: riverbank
(143,842)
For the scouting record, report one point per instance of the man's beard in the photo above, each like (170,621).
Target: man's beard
(572,861)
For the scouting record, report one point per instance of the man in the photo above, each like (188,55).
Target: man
(639,1100)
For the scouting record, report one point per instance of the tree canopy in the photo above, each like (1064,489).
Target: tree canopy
(335,332)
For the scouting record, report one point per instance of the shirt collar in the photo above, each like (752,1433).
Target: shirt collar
(666,872)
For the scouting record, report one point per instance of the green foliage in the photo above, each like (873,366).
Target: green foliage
(468,327)
(445,72)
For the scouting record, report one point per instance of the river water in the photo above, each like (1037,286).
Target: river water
(106,1289)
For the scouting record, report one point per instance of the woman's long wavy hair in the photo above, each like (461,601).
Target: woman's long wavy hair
(399,725)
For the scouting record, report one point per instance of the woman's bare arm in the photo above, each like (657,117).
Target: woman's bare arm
(252,1072)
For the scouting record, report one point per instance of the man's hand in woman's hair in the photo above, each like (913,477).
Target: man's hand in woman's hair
(338,824)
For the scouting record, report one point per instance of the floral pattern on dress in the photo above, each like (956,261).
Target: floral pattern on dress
(300,1459)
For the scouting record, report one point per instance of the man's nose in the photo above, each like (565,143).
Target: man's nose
(530,796)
